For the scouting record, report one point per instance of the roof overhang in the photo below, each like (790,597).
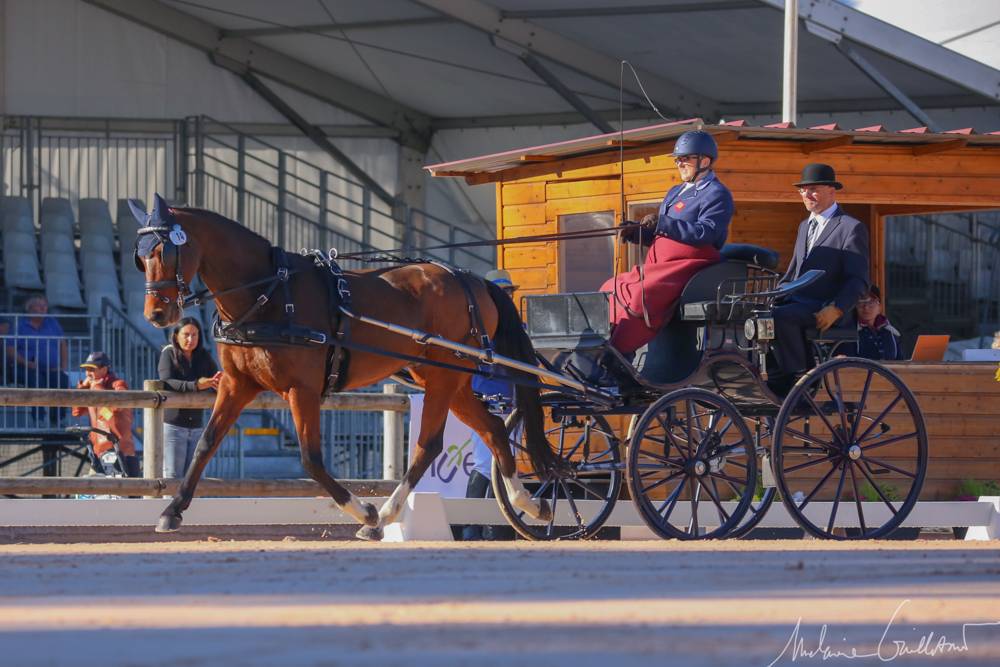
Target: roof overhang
(490,168)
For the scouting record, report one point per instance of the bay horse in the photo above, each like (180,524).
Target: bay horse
(175,244)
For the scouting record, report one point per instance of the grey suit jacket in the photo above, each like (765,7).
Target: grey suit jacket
(842,252)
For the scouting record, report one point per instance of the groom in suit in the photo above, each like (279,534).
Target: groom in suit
(834,242)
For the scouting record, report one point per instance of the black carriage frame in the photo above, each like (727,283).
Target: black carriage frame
(706,374)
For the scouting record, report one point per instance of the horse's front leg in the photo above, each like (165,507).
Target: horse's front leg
(305,411)
(440,387)
(233,396)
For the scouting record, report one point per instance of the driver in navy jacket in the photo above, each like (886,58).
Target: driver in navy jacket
(685,235)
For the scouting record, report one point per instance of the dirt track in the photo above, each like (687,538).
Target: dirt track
(609,603)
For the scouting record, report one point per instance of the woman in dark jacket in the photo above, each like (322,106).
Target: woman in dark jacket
(185,365)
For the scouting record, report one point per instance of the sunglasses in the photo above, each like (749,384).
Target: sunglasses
(868,302)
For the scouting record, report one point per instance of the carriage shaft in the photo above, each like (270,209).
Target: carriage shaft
(425,338)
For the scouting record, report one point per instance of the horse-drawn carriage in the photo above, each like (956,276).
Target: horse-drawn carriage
(701,415)
(700,407)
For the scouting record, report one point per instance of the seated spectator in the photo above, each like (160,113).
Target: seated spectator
(40,354)
(114,420)
(877,339)
(40,361)
(185,365)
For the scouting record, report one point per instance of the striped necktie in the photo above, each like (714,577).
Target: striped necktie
(811,234)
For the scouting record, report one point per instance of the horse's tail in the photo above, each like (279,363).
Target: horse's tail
(511,340)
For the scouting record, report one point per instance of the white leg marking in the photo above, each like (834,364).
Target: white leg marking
(356,508)
(520,497)
(394,505)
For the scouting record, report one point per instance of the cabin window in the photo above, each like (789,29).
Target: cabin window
(586,263)
(942,274)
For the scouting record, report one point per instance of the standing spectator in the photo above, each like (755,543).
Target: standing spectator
(115,420)
(40,354)
(877,339)
(185,365)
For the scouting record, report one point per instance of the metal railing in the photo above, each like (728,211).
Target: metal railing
(50,361)
(296,204)
(203,162)
(38,162)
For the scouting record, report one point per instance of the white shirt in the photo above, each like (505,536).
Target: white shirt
(821,219)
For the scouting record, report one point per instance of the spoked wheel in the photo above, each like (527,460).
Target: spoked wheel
(583,496)
(692,467)
(763,496)
(759,505)
(862,439)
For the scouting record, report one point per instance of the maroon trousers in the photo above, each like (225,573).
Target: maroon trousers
(653,288)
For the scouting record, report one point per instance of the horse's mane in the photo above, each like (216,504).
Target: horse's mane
(221,218)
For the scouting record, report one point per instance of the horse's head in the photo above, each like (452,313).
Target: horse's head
(169,258)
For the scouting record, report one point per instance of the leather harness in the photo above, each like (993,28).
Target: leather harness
(248,333)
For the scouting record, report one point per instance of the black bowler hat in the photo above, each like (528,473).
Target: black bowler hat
(819,174)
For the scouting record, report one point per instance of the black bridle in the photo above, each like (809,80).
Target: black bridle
(147,240)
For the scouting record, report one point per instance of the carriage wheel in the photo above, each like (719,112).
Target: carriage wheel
(692,467)
(865,442)
(759,505)
(593,472)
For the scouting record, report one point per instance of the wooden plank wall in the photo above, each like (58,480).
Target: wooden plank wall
(958,402)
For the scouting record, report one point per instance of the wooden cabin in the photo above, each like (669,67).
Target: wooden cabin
(588,182)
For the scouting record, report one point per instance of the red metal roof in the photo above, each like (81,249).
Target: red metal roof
(601,143)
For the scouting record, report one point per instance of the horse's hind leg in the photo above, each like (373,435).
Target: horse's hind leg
(473,413)
(441,386)
(233,397)
(305,412)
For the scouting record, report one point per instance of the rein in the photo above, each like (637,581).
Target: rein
(538,238)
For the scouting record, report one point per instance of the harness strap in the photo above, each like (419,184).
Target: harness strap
(477,328)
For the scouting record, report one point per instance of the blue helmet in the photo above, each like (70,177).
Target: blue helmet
(696,142)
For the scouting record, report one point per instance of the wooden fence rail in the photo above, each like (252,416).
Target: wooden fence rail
(209,487)
(153,399)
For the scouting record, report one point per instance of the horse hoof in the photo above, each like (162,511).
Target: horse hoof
(168,523)
(371,515)
(544,510)
(370,533)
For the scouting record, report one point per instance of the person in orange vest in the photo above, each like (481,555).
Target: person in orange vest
(115,420)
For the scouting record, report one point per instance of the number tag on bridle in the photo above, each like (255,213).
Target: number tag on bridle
(177,236)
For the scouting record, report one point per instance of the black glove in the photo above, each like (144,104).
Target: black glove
(639,232)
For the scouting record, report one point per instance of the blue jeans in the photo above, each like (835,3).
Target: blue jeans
(178,449)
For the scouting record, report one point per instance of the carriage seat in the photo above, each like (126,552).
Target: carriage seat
(698,300)
(751,254)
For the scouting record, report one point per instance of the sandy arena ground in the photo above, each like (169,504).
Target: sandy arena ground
(221,603)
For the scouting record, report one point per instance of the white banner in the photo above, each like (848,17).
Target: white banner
(449,474)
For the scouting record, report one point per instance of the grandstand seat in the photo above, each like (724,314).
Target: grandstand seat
(20,260)
(95,219)
(101,286)
(127,228)
(56,225)
(62,283)
(16,215)
(98,243)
